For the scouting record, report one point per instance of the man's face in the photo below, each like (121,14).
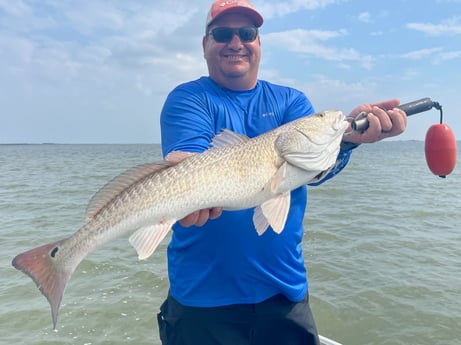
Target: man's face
(233,61)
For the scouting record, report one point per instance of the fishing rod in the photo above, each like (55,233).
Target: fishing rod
(440,142)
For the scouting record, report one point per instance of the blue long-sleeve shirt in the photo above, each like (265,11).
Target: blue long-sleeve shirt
(225,261)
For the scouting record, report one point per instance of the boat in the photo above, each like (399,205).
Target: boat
(327,341)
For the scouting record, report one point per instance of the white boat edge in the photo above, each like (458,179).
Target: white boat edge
(326,341)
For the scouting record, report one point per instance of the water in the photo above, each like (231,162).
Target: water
(382,248)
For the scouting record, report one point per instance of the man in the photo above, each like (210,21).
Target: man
(227,284)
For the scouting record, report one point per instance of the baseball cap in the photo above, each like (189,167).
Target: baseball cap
(220,7)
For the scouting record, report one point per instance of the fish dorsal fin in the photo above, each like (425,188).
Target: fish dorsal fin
(273,212)
(147,239)
(227,138)
(120,183)
(178,156)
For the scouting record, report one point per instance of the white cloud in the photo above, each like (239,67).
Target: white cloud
(421,53)
(364,17)
(283,8)
(14,8)
(328,93)
(88,17)
(410,74)
(450,26)
(453,55)
(437,55)
(311,43)
(62,41)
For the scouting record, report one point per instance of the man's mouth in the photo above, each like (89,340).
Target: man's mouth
(234,57)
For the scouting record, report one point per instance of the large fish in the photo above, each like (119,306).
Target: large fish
(236,173)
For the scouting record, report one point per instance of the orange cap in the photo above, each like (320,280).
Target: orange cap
(220,7)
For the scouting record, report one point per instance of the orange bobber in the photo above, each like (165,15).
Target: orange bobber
(440,148)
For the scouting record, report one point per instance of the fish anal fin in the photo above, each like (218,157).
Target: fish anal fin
(147,239)
(273,212)
(121,183)
(50,277)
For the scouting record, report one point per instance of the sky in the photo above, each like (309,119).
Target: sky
(98,71)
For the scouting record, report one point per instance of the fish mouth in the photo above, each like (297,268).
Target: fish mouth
(340,121)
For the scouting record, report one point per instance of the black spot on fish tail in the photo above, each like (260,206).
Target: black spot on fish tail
(54,252)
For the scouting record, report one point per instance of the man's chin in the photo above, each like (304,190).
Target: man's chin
(236,73)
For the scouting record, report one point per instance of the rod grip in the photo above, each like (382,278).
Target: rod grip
(423,104)
(411,108)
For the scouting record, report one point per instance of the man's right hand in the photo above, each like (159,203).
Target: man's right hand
(199,218)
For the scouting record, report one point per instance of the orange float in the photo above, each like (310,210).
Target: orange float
(440,143)
(440,149)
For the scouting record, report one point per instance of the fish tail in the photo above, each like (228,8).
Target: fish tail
(44,266)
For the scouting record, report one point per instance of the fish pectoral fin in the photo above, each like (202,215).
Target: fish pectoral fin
(279,177)
(273,212)
(147,239)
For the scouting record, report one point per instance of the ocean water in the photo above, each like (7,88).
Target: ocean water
(382,248)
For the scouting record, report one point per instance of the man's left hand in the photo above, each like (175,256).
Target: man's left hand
(382,123)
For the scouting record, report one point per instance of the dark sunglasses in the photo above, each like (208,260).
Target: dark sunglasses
(225,35)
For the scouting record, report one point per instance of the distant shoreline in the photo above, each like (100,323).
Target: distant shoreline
(24,144)
(29,144)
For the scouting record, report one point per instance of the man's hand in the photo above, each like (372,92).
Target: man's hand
(199,218)
(383,123)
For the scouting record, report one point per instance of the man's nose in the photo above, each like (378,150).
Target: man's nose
(236,42)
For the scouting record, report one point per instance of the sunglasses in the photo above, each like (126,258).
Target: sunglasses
(225,35)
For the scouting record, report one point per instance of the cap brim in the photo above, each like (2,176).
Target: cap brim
(255,16)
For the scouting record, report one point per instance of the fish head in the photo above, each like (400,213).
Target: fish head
(312,142)
(322,128)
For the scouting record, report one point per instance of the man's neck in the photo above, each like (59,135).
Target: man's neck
(236,84)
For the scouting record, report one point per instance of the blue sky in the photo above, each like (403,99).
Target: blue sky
(89,71)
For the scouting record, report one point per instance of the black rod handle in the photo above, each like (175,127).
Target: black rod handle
(419,106)
(411,108)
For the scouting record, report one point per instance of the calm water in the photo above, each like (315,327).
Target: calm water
(382,248)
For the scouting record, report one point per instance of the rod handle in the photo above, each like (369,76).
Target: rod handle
(411,108)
